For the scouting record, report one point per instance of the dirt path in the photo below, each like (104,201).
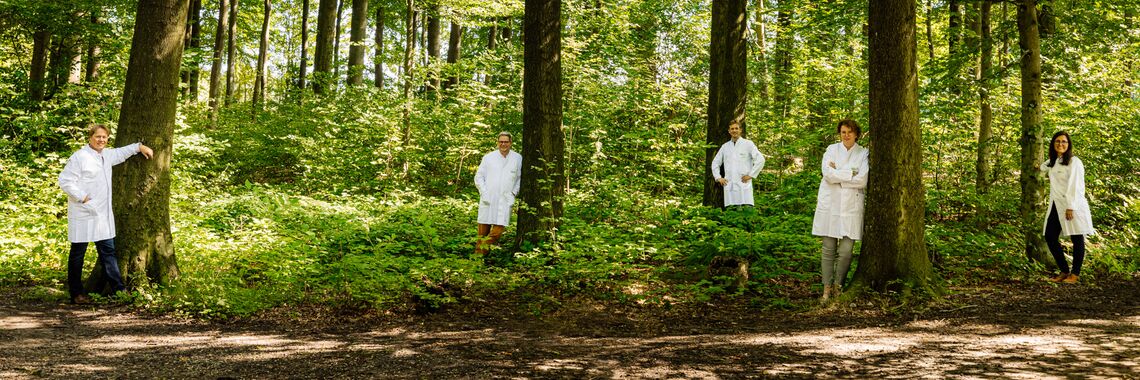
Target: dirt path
(1019,331)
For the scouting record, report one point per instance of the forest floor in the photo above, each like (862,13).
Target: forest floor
(1014,330)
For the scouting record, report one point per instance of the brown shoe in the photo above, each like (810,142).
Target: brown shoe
(81,299)
(1059,277)
(1071,279)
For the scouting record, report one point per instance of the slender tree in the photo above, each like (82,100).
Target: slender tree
(323,60)
(985,111)
(142,187)
(1033,137)
(760,30)
(728,79)
(356,48)
(263,48)
(378,60)
(91,67)
(41,41)
(433,40)
(894,253)
(543,168)
(453,49)
(230,48)
(216,61)
(195,27)
(336,44)
(785,44)
(409,52)
(304,43)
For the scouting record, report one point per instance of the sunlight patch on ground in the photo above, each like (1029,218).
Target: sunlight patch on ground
(20,322)
(663,373)
(404,353)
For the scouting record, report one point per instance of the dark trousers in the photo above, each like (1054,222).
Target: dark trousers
(106,250)
(1052,238)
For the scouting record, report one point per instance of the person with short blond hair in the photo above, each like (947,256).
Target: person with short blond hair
(86,179)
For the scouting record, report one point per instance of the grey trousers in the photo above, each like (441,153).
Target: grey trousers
(835,261)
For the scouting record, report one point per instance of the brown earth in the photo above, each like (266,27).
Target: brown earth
(1034,330)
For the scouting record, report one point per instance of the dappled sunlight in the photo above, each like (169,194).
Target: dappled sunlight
(20,322)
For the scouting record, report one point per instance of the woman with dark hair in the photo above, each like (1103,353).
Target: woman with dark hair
(1068,212)
(839,206)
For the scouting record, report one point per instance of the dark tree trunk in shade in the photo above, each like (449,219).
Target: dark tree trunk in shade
(216,60)
(195,43)
(262,50)
(543,168)
(728,78)
(41,41)
(492,38)
(304,44)
(323,57)
(336,44)
(378,61)
(409,53)
(359,28)
(91,65)
(893,255)
(785,44)
(1033,138)
(453,44)
(141,187)
(985,110)
(230,47)
(433,41)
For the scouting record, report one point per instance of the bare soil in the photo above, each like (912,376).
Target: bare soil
(1027,330)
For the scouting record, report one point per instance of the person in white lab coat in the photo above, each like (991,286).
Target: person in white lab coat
(742,162)
(839,206)
(86,179)
(1066,197)
(498,180)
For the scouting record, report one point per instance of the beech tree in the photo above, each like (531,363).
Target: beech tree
(728,78)
(893,255)
(323,60)
(1033,138)
(356,48)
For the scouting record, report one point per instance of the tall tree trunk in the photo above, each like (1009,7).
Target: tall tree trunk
(728,84)
(1032,207)
(453,42)
(985,112)
(930,28)
(761,32)
(492,38)
(196,44)
(433,40)
(336,44)
(409,52)
(304,43)
(543,167)
(41,40)
(954,28)
(356,48)
(91,69)
(784,45)
(230,47)
(894,251)
(216,61)
(263,48)
(142,187)
(378,61)
(323,59)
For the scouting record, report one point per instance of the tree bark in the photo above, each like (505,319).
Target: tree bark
(142,187)
(761,32)
(230,47)
(894,251)
(728,84)
(985,112)
(785,43)
(492,38)
(91,67)
(356,48)
(323,59)
(263,47)
(409,52)
(378,61)
(41,40)
(954,27)
(336,44)
(216,61)
(1032,207)
(930,28)
(543,168)
(433,41)
(453,43)
(196,44)
(304,43)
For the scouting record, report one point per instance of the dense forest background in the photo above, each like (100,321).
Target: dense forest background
(360,194)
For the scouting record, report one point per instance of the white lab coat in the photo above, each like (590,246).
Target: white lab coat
(739,158)
(498,180)
(1067,191)
(88,174)
(839,205)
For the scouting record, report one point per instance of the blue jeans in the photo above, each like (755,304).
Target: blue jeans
(106,249)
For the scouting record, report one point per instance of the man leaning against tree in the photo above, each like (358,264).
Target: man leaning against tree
(87,181)
(498,180)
